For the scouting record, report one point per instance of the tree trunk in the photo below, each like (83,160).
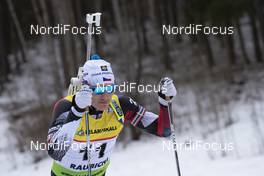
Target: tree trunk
(36,11)
(66,42)
(209,51)
(175,19)
(165,44)
(49,51)
(166,12)
(259,6)
(256,41)
(139,37)
(123,40)
(17,59)
(142,24)
(4,62)
(242,43)
(18,29)
(193,37)
(230,50)
(79,19)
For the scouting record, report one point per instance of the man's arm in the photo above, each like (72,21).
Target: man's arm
(66,118)
(152,123)
(65,121)
(138,116)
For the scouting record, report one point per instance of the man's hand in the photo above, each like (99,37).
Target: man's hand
(167,91)
(83,98)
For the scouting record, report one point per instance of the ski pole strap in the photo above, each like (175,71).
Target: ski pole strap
(61,171)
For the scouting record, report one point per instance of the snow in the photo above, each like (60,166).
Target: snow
(149,159)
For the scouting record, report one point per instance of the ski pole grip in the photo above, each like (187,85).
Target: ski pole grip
(94,18)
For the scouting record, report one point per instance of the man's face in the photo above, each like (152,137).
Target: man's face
(102,101)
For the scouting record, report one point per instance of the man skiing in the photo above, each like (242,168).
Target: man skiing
(107,115)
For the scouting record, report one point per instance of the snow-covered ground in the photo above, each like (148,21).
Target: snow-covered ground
(149,159)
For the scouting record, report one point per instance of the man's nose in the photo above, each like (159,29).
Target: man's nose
(104,96)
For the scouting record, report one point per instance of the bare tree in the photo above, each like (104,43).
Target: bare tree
(124,50)
(205,41)
(4,62)
(165,49)
(242,42)
(49,45)
(230,50)
(18,29)
(254,29)
(68,57)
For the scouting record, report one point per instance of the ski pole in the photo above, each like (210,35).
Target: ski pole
(88,141)
(173,133)
(90,19)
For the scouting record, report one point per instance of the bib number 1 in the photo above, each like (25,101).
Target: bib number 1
(100,150)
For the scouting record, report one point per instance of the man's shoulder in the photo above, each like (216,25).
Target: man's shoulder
(63,103)
(127,103)
(122,99)
(68,98)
